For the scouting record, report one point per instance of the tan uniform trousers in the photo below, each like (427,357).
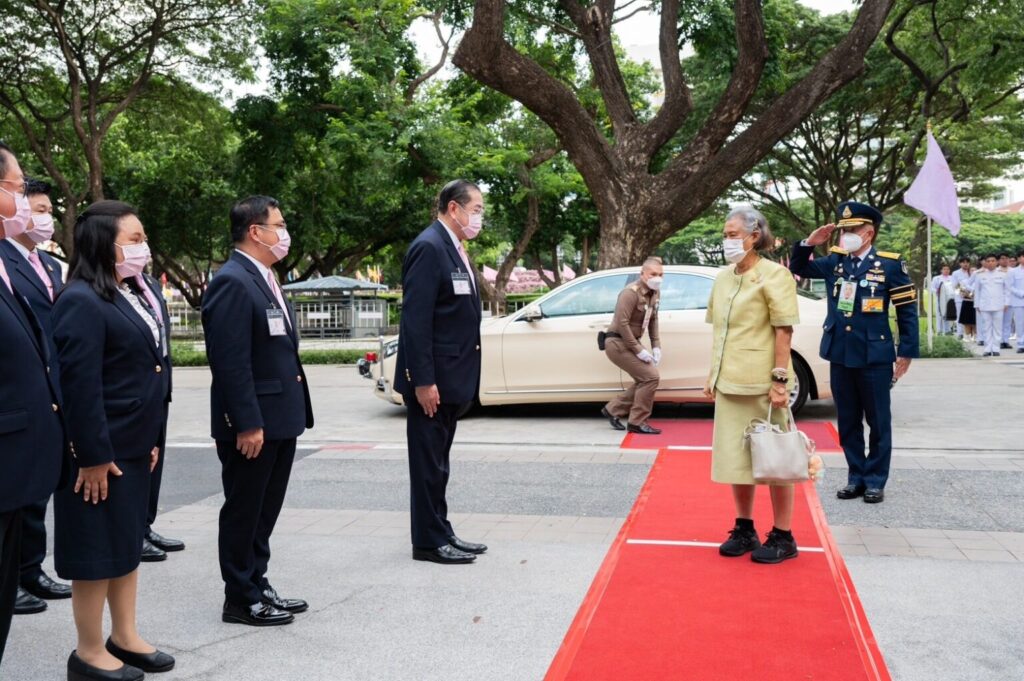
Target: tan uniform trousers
(638,400)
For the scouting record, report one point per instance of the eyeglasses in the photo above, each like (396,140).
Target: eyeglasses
(19,185)
(267,225)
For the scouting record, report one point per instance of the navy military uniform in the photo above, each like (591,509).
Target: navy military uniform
(859,342)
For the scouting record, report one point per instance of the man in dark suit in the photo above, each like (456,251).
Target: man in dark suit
(438,364)
(259,404)
(37,275)
(31,430)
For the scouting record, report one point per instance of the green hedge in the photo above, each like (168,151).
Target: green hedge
(943,347)
(185,355)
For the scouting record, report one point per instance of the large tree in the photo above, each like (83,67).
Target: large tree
(642,193)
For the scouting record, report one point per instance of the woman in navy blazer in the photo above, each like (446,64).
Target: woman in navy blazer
(114,376)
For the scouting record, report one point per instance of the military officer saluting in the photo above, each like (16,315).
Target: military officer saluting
(861,284)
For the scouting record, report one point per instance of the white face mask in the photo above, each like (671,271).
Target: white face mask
(733,250)
(850,242)
(654,283)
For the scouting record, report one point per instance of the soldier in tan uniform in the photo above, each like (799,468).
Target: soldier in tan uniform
(636,313)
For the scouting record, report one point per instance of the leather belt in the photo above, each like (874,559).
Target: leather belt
(612,334)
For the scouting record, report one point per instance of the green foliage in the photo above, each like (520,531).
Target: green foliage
(185,354)
(943,347)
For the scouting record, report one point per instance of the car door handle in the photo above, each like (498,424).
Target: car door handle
(599,325)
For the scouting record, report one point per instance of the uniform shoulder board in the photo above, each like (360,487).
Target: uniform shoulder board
(840,251)
(889,254)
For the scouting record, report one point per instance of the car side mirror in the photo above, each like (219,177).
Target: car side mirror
(533,314)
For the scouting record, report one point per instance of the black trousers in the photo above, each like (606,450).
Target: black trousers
(10,541)
(33,540)
(430,444)
(863,394)
(254,492)
(157,475)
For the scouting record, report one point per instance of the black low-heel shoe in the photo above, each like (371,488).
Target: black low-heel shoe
(80,670)
(154,662)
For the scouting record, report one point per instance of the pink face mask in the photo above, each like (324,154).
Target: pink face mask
(42,228)
(136,257)
(18,223)
(472,229)
(284,242)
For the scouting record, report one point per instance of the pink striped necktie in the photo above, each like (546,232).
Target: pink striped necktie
(272,281)
(6,279)
(37,265)
(469,268)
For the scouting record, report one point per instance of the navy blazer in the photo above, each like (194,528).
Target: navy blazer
(31,430)
(27,282)
(863,338)
(258,379)
(439,333)
(114,377)
(158,292)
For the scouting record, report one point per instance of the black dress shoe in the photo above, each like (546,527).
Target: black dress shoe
(152,553)
(612,419)
(851,492)
(41,586)
(445,555)
(1020,351)
(27,604)
(874,495)
(1005,346)
(258,615)
(466,546)
(644,429)
(269,597)
(80,670)
(154,662)
(164,543)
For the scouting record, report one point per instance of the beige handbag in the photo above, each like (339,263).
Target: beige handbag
(778,455)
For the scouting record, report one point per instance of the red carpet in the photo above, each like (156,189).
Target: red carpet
(697,433)
(660,612)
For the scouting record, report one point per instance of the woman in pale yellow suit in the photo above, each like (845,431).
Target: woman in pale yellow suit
(753,307)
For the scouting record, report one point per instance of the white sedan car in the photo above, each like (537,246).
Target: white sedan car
(547,351)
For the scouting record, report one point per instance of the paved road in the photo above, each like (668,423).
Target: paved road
(939,566)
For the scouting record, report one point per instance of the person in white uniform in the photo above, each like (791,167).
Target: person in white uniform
(991,298)
(1006,263)
(1015,278)
(942,293)
(960,280)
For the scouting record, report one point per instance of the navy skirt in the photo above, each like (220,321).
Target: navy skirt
(104,540)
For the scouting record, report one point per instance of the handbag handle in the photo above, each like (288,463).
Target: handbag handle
(791,423)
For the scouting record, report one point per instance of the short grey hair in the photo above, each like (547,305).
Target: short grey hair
(753,219)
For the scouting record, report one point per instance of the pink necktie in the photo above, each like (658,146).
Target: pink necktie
(6,279)
(153,303)
(37,265)
(277,294)
(469,269)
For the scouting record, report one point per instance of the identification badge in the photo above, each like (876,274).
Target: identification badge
(460,282)
(868,304)
(275,322)
(847,296)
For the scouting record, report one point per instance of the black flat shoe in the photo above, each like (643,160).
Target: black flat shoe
(27,604)
(258,615)
(445,555)
(151,553)
(269,597)
(643,429)
(851,492)
(164,543)
(154,662)
(41,586)
(874,495)
(80,670)
(466,546)
(614,420)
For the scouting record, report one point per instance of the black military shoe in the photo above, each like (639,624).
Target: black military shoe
(1020,351)
(776,548)
(41,586)
(467,546)
(151,553)
(293,605)
(164,543)
(27,604)
(851,492)
(445,555)
(1005,346)
(614,420)
(741,540)
(874,495)
(643,429)
(256,615)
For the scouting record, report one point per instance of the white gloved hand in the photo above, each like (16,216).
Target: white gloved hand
(645,356)
(657,356)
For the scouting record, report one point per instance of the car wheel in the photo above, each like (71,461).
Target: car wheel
(801,386)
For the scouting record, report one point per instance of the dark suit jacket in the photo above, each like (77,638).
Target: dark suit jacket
(258,380)
(25,279)
(32,448)
(861,339)
(114,378)
(158,292)
(439,335)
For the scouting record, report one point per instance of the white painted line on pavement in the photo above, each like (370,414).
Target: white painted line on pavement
(690,448)
(703,544)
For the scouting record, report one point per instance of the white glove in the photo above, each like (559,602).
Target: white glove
(657,356)
(645,356)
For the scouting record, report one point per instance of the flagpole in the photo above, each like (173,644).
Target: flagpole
(928,284)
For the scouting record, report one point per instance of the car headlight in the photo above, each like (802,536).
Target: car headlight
(390,348)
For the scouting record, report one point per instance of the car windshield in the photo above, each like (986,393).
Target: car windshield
(596,295)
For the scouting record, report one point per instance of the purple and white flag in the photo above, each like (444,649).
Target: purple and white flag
(934,192)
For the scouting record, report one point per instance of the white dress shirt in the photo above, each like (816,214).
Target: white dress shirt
(991,290)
